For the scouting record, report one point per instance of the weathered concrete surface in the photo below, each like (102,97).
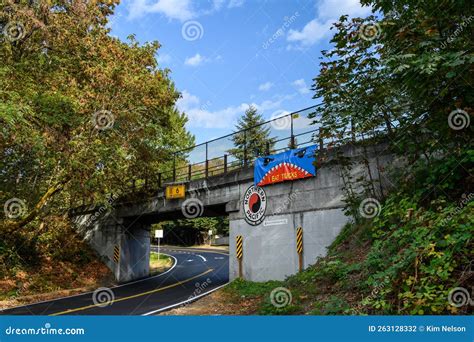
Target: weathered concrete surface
(131,238)
(315,204)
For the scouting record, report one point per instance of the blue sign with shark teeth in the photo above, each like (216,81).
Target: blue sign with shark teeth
(286,166)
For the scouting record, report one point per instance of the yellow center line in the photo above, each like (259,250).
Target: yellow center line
(133,296)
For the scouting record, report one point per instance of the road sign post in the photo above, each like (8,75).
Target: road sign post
(158,236)
(239,252)
(209,233)
(299,246)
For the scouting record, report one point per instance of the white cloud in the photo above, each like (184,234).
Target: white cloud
(195,60)
(181,10)
(328,11)
(265,86)
(235,3)
(311,33)
(163,58)
(199,114)
(301,86)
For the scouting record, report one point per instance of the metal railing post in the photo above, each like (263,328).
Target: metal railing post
(174,167)
(159,180)
(189,172)
(245,148)
(225,163)
(292,138)
(207,160)
(267,148)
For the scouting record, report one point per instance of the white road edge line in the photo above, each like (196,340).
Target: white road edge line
(184,302)
(203,258)
(113,287)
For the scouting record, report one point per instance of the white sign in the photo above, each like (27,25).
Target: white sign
(255,203)
(209,232)
(159,233)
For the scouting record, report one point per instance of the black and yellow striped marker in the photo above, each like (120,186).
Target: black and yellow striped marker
(299,246)
(239,252)
(239,243)
(299,240)
(116,254)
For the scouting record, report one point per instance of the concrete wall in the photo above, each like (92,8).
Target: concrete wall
(269,253)
(315,204)
(131,238)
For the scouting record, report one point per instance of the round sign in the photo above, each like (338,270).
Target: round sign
(255,203)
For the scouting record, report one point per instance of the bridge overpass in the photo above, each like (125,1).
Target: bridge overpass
(216,179)
(122,235)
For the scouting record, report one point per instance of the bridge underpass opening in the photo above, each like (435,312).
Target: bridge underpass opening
(208,229)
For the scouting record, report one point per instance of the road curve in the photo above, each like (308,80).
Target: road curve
(195,273)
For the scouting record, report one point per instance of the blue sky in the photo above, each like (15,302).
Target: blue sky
(227,54)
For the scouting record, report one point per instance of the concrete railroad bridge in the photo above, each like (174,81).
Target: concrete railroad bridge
(269,249)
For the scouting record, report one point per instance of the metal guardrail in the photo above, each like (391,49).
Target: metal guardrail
(221,155)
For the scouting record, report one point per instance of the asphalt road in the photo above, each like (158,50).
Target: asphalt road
(196,272)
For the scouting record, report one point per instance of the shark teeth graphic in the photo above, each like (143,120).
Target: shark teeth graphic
(282,172)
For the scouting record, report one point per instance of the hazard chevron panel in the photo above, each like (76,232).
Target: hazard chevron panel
(286,166)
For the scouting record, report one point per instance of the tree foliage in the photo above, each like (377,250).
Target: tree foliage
(408,67)
(82,113)
(252,136)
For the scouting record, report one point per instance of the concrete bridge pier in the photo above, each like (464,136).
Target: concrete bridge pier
(122,244)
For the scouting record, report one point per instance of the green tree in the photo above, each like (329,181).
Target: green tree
(82,113)
(252,136)
(408,68)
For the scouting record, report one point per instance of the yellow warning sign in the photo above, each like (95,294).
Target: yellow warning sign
(299,240)
(239,246)
(116,254)
(175,191)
